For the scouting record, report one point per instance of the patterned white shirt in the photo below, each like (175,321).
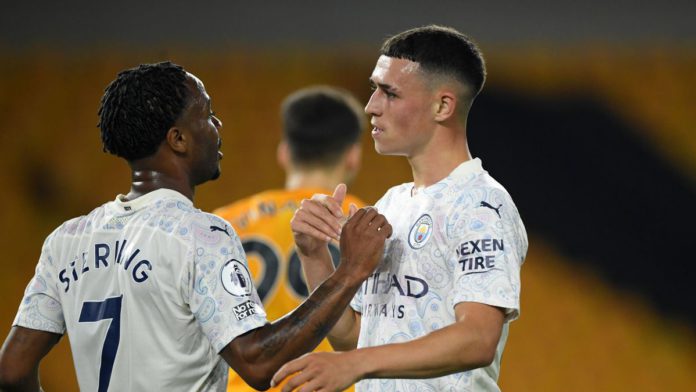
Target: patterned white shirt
(459,240)
(149,291)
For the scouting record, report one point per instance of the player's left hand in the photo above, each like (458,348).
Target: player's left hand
(321,371)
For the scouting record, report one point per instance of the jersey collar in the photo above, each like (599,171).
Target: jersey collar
(149,198)
(466,171)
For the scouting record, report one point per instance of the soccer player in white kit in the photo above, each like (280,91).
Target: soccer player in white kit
(434,315)
(154,293)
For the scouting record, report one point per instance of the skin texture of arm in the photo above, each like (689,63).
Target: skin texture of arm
(469,343)
(20,356)
(315,223)
(344,335)
(257,355)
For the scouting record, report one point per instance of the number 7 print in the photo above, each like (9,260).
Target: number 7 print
(110,308)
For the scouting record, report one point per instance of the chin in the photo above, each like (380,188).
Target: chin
(216,175)
(382,150)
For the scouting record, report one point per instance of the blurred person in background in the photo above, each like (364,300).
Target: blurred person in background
(320,149)
(154,293)
(435,314)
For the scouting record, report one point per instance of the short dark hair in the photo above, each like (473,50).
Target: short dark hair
(139,107)
(440,50)
(320,123)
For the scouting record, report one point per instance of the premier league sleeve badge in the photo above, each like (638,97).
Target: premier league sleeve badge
(236,279)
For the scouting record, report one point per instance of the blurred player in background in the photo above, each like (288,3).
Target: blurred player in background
(154,293)
(435,314)
(320,149)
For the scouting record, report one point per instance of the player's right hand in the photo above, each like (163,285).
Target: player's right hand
(318,220)
(362,241)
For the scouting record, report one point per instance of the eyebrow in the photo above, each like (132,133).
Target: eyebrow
(383,86)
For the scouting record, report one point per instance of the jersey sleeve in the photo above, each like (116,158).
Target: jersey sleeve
(487,245)
(222,295)
(40,308)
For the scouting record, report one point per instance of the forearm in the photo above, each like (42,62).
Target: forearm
(317,268)
(449,350)
(265,350)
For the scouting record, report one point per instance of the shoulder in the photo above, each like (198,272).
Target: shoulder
(206,220)
(206,233)
(481,204)
(477,192)
(72,229)
(81,224)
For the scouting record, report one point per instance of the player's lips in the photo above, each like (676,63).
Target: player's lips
(376,130)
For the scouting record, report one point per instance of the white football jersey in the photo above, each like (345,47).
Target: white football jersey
(459,240)
(149,292)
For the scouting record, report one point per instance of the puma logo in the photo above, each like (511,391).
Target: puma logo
(484,204)
(215,228)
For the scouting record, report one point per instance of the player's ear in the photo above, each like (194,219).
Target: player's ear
(283,155)
(177,139)
(446,105)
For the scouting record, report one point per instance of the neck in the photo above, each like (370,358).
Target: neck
(147,177)
(439,158)
(319,178)
(143,182)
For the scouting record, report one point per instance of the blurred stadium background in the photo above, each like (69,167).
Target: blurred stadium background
(587,117)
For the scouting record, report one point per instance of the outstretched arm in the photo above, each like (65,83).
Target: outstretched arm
(344,334)
(20,356)
(257,355)
(314,224)
(469,343)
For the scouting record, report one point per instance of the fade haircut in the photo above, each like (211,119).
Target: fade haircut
(320,123)
(139,107)
(441,51)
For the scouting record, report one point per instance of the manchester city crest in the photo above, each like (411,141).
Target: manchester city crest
(236,279)
(420,232)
